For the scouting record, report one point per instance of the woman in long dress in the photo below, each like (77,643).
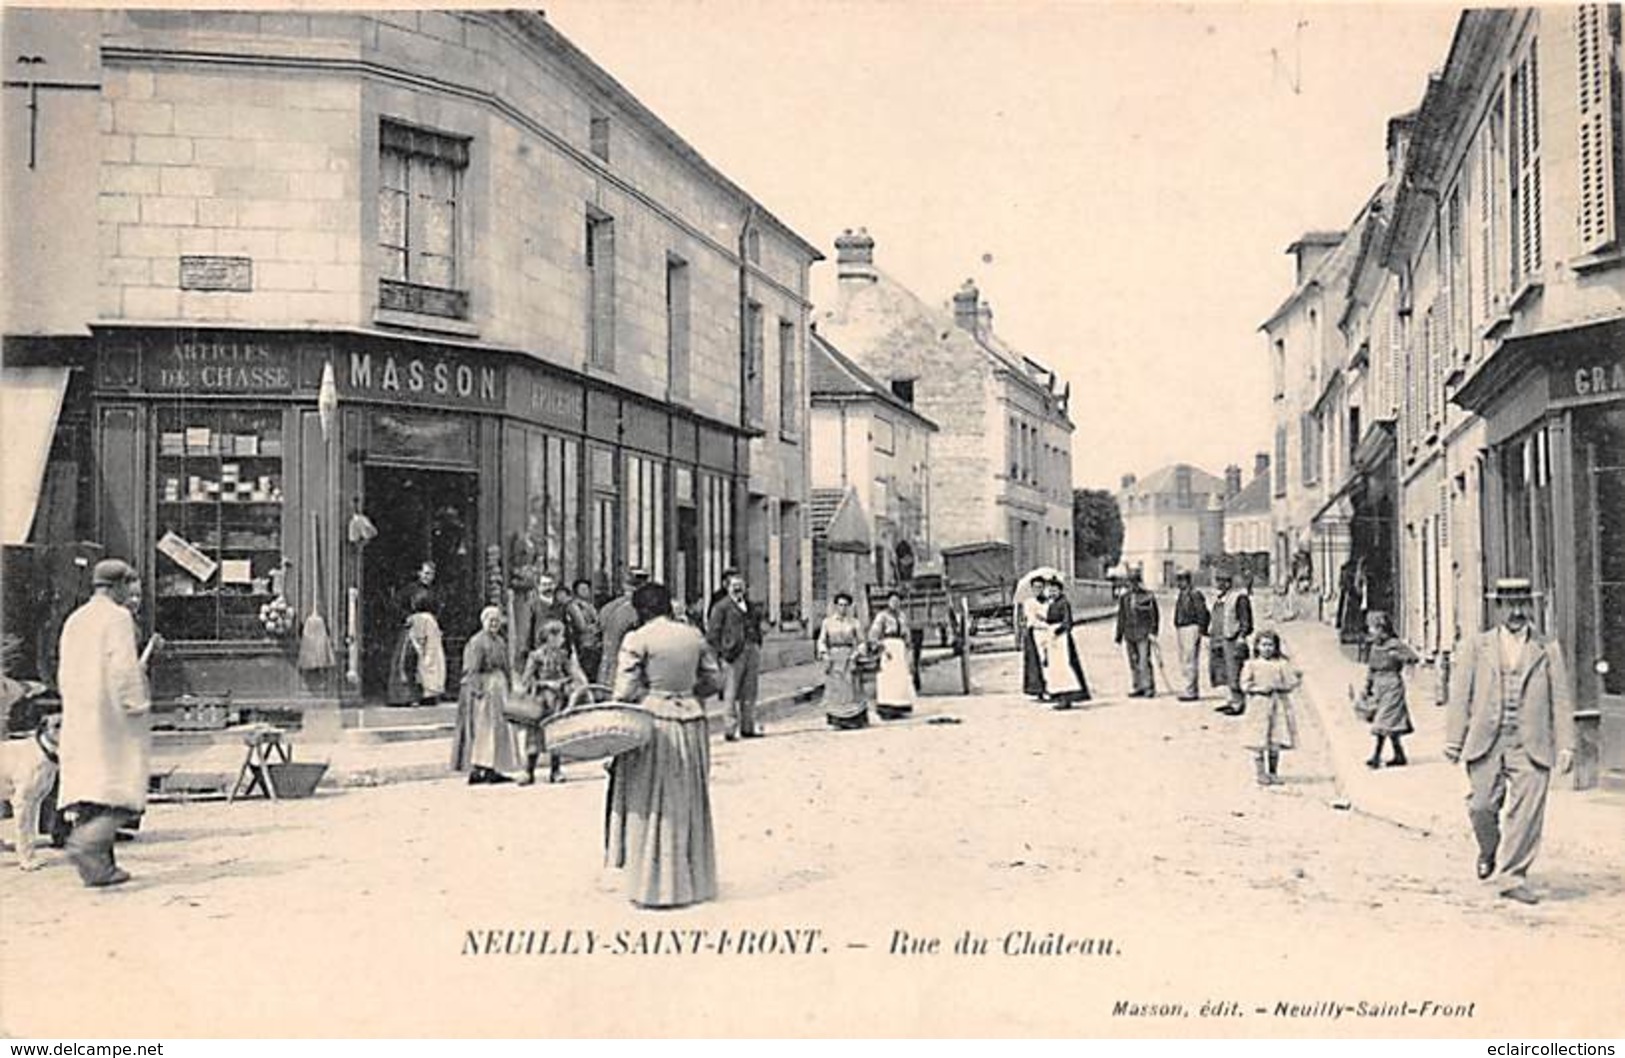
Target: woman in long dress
(1030,626)
(839,639)
(417,671)
(894,686)
(483,743)
(1063,669)
(1385,687)
(657,823)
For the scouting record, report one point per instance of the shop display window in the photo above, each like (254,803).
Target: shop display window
(218,546)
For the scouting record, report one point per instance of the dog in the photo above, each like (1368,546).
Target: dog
(28,771)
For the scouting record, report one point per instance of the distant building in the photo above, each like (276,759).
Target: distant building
(1001,461)
(1172,519)
(871,459)
(1248,531)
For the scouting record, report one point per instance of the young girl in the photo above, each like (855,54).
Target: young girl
(1384,696)
(1272,724)
(551,673)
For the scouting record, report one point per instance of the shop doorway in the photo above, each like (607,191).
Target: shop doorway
(421,515)
(687,577)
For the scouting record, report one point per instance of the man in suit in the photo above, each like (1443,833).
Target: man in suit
(1229,625)
(1138,621)
(734,630)
(617,618)
(1511,718)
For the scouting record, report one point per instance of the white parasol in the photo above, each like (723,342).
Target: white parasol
(1025,584)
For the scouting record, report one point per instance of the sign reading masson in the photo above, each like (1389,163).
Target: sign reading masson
(433,376)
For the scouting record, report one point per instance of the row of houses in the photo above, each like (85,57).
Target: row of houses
(296,301)
(1182,519)
(1449,371)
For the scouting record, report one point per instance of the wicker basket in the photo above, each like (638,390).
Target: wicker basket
(592,727)
(296,779)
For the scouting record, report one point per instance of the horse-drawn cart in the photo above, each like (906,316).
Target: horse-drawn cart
(976,586)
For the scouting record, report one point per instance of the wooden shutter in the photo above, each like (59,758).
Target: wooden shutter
(1486,225)
(1594,32)
(1525,173)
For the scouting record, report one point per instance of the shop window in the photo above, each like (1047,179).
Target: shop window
(1604,435)
(553,504)
(645,493)
(218,546)
(716,543)
(605,515)
(419,190)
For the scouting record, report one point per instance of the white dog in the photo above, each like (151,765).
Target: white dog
(28,769)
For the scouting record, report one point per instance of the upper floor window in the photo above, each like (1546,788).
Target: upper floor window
(789,394)
(1597,34)
(903,390)
(885,436)
(755,382)
(1523,174)
(598,137)
(677,327)
(419,227)
(600,260)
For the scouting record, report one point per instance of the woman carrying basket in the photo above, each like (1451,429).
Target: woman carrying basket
(658,812)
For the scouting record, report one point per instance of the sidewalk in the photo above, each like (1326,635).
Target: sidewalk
(1429,793)
(202,771)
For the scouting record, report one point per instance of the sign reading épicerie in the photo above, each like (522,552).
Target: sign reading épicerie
(199,272)
(218,364)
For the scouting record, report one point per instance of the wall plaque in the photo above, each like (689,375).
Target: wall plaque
(217,273)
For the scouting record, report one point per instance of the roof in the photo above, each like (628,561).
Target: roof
(1316,238)
(837,519)
(534,25)
(832,374)
(1254,498)
(1330,273)
(874,316)
(1162,481)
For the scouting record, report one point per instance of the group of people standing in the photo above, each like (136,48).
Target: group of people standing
(859,666)
(1051,670)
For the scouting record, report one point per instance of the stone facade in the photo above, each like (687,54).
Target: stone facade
(1172,520)
(1001,462)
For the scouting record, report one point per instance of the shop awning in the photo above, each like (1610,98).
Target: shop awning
(30,401)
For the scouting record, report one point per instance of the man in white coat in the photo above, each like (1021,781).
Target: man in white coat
(104,723)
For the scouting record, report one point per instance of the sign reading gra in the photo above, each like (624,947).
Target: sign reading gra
(217,273)
(1589,380)
(219,365)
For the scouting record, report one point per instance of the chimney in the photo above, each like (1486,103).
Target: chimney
(966,311)
(984,318)
(855,255)
(1312,248)
(1232,480)
(1400,130)
(1128,481)
(1261,465)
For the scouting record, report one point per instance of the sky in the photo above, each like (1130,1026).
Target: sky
(1121,180)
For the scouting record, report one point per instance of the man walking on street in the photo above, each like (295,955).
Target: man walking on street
(616,619)
(734,630)
(1230,625)
(1190,625)
(1138,621)
(104,749)
(1511,718)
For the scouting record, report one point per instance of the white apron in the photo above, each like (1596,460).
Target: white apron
(894,684)
(104,709)
(1058,675)
(424,631)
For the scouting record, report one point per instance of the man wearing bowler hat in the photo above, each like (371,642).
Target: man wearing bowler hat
(1511,718)
(104,724)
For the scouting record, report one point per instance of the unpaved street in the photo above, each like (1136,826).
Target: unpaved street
(1133,828)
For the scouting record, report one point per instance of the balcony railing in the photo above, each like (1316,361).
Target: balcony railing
(398,296)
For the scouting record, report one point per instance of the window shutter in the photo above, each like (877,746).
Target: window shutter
(1526,166)
(1594,34)
(1486,226)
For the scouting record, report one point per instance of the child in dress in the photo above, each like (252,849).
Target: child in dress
(1268,679)
(551,673)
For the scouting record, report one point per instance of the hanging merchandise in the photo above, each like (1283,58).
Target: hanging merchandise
(315,645)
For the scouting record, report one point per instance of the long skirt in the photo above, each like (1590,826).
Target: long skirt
(1032,664)
(484,738)
(894,686)
(1063,671)
(843,689)
(657,817)
(1271,722)
(1387,697)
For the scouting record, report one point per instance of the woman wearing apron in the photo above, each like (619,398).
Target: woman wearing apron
(839,638)
(894,686)
(1063,670)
